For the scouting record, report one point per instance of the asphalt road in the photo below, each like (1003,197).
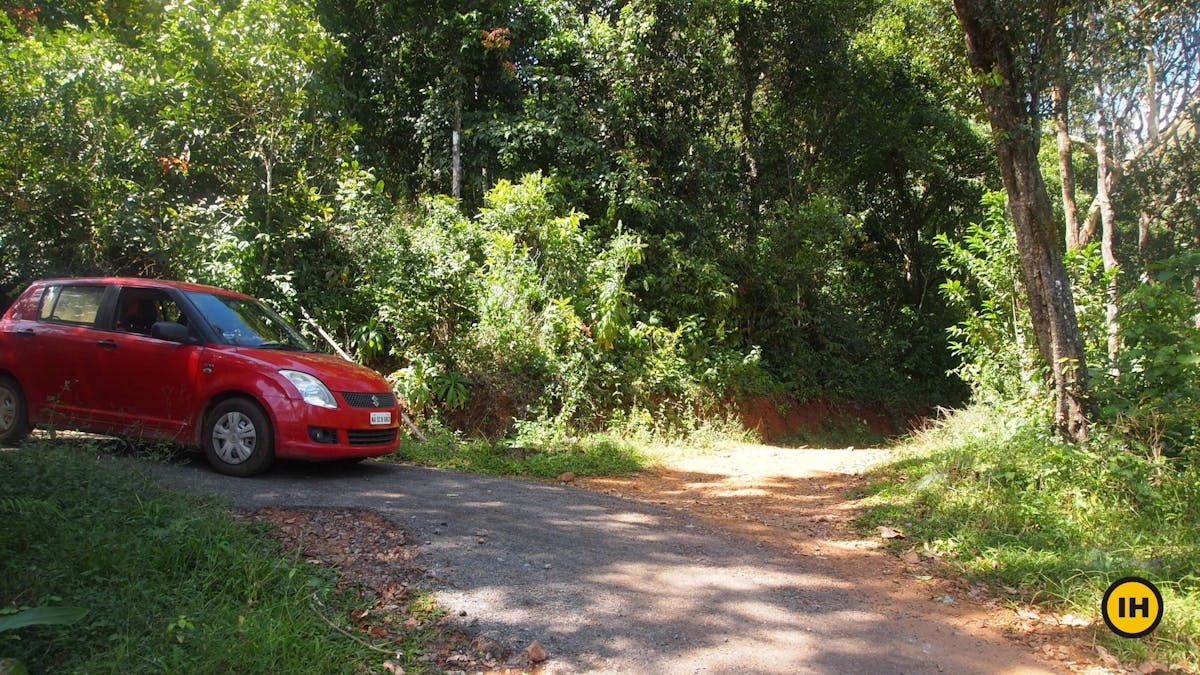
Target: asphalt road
(614,586)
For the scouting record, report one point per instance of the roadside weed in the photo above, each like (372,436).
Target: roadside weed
(998,498)
(170,584)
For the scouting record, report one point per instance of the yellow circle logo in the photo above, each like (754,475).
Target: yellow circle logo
(1132,607)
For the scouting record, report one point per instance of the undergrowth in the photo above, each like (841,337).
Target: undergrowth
(169,584)
(545,450)
(999,499)
(595,455)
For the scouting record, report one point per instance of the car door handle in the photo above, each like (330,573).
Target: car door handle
(106,344)
(25,332)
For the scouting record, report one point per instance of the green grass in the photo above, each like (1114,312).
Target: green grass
(1004,502)
(544,450)
(170,584)
(597,455)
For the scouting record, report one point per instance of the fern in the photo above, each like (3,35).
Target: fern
(28,506)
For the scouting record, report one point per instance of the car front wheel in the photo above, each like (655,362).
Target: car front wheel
(237,438)
(14,425)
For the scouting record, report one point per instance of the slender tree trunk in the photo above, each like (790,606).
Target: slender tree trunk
(747,48)
(1088,228)
(1104,183)
(1144,221)
(1013,116)
(1151,97)
(456,151)
(1152,121)
(1196,279)
(1066,167)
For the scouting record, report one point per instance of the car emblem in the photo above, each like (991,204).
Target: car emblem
(374,400)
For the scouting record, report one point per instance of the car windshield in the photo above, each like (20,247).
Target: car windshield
(246,323)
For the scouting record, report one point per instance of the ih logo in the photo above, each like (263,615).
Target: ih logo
(1132,607)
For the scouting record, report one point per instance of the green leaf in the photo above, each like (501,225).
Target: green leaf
(12,667)
(42,616)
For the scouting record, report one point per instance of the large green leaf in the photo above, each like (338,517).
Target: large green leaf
(42,616)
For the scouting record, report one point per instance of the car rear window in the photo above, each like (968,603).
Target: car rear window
(72,304)
(49,296)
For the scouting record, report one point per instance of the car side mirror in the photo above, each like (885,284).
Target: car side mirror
(170,331)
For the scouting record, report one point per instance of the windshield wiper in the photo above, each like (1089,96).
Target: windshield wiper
(285,346)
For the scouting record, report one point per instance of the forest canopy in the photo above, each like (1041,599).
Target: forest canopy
(575,211)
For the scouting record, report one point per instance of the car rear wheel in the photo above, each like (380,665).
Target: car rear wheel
(237,438)
(14,425)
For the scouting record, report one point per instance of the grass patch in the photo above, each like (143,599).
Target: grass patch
(544,450)
(596,455)
(836,434)
(1004,502)
(170,584)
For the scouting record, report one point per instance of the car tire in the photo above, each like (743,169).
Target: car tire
(237,438)
(14,423)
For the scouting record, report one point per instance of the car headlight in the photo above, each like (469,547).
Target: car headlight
(312,390)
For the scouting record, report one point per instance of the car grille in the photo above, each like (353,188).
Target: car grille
(360,400)
(372,437)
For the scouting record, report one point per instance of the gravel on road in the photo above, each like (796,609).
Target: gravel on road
(610,585)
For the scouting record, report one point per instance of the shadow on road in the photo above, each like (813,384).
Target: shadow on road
(612,585)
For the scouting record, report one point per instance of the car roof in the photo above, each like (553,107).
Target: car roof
(140,282)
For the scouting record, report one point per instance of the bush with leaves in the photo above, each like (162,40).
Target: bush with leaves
(994,340)
(1152,394)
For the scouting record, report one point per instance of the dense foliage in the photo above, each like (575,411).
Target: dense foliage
(653,206)
(659,202)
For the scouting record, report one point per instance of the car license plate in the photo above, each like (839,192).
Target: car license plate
(381,418)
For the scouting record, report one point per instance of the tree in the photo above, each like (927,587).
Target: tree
(1007,47)
(1127,73)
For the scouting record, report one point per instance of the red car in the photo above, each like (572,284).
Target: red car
(197,365)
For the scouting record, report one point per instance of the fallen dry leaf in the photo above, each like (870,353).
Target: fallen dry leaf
(890,532)
(1106,658)
(536,652)
(1076,621)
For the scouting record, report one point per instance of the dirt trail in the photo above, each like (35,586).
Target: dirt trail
(796,499)
(739,561)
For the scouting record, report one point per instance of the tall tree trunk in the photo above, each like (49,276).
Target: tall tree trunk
(1104,183)
(1151,96)
(1012,107)
(746,42)
(456,151)
(1066,167)
(1144,221)
(1152,121)
(1196,279)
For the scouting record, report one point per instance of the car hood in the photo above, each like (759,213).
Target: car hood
(337,373)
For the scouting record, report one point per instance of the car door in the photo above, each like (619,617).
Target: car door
(21,351)
(149,384)
(67,343)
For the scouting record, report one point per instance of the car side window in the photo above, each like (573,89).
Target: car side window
(49,297)
(77,305)
(138,309)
